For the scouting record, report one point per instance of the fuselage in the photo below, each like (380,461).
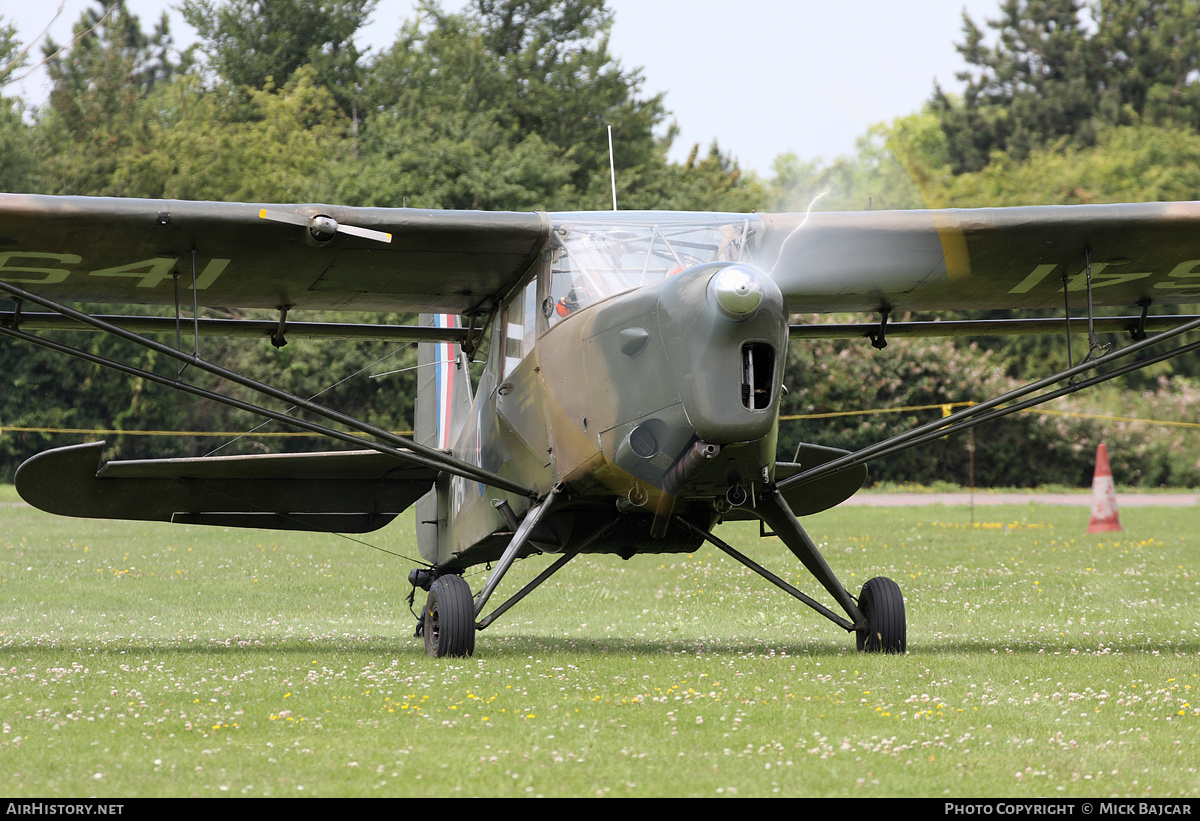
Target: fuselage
(642,391)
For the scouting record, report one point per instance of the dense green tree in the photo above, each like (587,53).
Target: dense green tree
(1056,69)
(566,87)
(530,79)
(1150,53)
(253,43)
(846,394)
(849,395)
(12,56)
(451,160)
(440,136)
(708,182)
(109,67)
(18,158)
(200,148)
(100,84)
(18,155)
(1038,81)
(1135,163)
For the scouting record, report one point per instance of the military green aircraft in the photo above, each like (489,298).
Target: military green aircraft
(629,399)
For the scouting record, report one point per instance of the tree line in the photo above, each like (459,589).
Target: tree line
(503,106)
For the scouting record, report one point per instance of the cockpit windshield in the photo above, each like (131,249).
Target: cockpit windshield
(598,255)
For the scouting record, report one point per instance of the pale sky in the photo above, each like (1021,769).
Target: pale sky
(762,77)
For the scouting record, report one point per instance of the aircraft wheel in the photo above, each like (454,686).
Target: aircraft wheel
(882,605)
(449,618)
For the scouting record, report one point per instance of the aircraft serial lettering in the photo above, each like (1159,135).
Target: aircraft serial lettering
(151,272)
(1183,275)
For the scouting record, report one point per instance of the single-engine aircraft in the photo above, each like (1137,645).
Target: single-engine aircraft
(629,401)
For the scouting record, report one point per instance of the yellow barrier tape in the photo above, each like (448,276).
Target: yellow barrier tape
(1117,418)
(945,407)
(832,414)
(948,406)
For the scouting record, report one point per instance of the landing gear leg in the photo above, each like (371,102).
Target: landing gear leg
(449,618)
(878,615)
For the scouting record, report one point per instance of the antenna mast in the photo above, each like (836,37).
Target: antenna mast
(612,168)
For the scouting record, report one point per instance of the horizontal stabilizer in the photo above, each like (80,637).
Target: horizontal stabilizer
(344,491)
(823,493)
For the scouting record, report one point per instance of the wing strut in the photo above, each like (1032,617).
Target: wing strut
(778,582)
(1138,333)
(532,517)
(241,328)
(545,574)
(991,409)
(397,446)
(1094,347)
(878,340)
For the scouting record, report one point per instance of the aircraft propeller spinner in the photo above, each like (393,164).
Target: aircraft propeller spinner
(323,228)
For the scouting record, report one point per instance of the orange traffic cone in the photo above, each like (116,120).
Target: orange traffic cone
(1104,496)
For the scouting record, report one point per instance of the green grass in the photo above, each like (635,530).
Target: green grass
(145,660)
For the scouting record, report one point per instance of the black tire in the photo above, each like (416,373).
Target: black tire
(449,618)
(882,605)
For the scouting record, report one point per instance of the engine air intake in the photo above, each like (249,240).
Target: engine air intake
(758,368)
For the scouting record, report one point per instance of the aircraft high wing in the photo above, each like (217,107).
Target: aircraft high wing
(984,258)
(84,249)
(630,397)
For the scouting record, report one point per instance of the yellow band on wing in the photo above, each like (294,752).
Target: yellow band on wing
(954,246)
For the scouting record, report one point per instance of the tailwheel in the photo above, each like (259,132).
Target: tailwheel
(882,606)
(449,618)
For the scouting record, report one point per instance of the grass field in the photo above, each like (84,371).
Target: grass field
(140,660)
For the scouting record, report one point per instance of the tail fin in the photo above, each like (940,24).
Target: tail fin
(443,387)
(443,403)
